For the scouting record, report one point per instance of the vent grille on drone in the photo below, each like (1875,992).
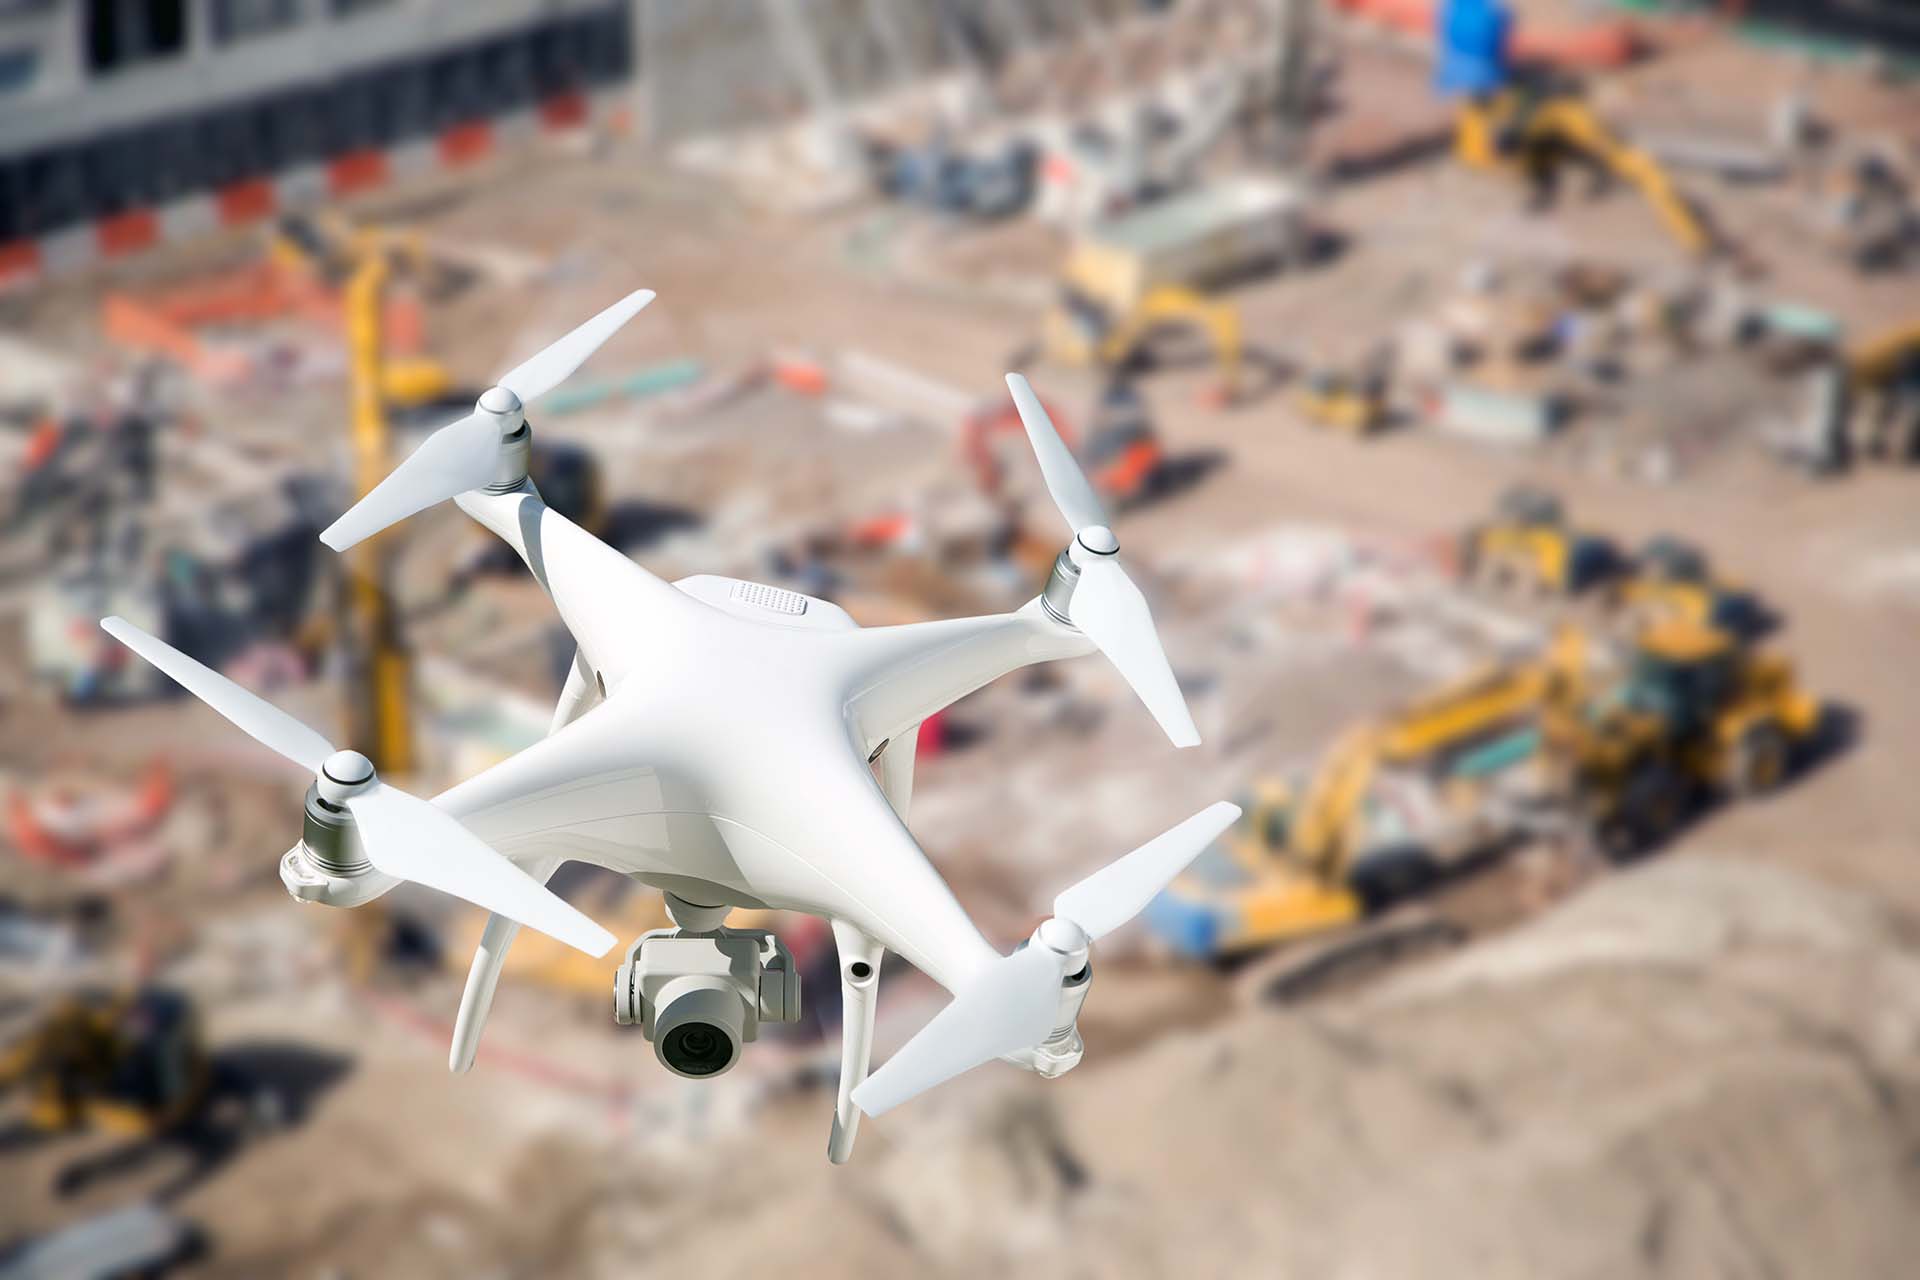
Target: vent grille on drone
(778,599)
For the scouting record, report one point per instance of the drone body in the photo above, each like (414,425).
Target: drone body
(734,745)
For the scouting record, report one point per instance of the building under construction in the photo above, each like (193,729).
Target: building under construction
(116,109)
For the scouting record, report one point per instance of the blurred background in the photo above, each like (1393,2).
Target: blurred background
(1510,409)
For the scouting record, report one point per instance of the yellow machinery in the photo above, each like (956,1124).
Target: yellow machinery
(1301,863)
(331,248)
(1150,268)
(131,1065)
(378,667)
(1095,325)
(1671,581)
(362,262)
(1697,713)
(334,252)
(1537,130)
(1528,545)
(1883,390)
(1353,401)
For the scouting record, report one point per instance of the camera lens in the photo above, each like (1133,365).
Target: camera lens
(697,1049)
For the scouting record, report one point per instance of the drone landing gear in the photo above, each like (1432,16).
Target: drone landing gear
(859,983)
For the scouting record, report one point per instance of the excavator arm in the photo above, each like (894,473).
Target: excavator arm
(1489,131)
(1175,305)
(1572,119)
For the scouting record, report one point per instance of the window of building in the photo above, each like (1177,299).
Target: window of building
(125,33)
(243,19)
(17,68)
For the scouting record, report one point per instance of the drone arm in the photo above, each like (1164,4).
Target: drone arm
(901,675)
(859,982)
(896,769)
(608,603)
(577,695)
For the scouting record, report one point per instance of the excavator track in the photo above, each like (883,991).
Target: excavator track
(1292,975)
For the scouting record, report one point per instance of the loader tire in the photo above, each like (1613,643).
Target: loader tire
(1761,760)
(1653,805)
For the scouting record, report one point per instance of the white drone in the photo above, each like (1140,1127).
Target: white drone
(734,745)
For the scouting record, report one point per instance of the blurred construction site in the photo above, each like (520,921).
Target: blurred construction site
(1515,404)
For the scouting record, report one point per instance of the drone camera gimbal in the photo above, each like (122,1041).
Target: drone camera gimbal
(700,991)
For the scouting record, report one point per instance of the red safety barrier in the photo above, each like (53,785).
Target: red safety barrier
(356,171)
(245,202)
(464,144)
(19,261)
(75,846)
(127,233)
(567,111)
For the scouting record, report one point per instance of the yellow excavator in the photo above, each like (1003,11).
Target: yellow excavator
(1537,129)
(1097,324)
(1547,746)
(1390,808)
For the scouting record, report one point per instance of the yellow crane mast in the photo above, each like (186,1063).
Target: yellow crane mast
(379,668)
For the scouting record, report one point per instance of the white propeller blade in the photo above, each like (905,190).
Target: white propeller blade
(1122,889)
(1110,610)
(1058,467)
(465,455)
(404,836)
(410,839)
(1007,1008)
(259,719)
(1106,605)
(448,463)
(535,377)
(1011,1005)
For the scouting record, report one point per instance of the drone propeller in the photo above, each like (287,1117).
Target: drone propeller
(1106,605)
(404,836)
(466,454)
(1011,1004)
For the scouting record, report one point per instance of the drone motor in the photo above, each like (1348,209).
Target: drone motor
(330,864)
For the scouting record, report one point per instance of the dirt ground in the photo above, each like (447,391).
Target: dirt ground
(1410,1129)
